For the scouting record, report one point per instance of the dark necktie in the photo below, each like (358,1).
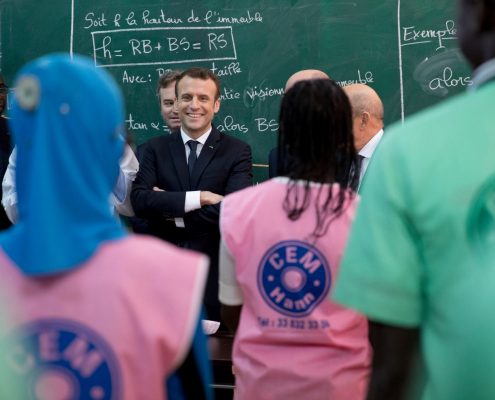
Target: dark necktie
(360,159)
(355,169)
(193,144)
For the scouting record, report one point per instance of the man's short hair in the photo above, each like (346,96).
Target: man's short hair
(199,73)
(166,79)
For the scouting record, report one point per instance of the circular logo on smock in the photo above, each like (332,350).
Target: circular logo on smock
(60,359)
(293,278)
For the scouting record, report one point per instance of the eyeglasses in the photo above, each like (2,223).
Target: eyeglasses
(4,89)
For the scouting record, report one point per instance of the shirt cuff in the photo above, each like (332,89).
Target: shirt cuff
(120,188)
(229,295)
(179,222)
(193,201)
(229,292)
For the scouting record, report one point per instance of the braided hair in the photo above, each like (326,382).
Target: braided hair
(316,145)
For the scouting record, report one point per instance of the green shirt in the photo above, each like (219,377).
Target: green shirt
(420,248)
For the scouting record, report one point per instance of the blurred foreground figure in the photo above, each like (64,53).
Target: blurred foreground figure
(99,314)
(421,257)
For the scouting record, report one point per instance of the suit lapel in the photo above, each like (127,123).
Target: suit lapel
(206,155)
(178,155)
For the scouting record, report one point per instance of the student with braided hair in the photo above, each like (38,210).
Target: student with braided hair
(281,247)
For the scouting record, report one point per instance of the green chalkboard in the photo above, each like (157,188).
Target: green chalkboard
(406,50)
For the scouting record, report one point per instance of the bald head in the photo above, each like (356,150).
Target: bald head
(363,98)
(305,75)
(367,113)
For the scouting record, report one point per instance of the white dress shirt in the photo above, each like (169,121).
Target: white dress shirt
(193,201)
(120,197)
(367,151)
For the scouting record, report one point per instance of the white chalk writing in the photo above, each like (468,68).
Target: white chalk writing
(365,78)
(447,80)
(229,125)
(412,35)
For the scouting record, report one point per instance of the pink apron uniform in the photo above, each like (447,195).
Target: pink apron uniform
(292,341)
(113,328)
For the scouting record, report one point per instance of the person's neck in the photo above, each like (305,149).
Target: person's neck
(196,135)
(372,131)
(364,141)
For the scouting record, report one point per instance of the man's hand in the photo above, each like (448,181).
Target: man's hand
(207,198)
(157,189)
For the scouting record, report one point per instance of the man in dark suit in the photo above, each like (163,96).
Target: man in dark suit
(367,123)
(273,156)
(184,176)
(165,91)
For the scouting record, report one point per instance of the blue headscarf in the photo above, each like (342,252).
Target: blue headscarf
(67,120)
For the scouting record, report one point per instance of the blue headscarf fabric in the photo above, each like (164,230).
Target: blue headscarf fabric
(67,121)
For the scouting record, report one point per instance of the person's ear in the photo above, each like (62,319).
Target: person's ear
(365,118)
(216,105)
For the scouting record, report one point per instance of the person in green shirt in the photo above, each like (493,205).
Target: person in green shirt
(420,262)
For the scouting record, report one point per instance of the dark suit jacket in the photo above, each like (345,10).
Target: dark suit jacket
(274,164)
(223,166)
(140,225)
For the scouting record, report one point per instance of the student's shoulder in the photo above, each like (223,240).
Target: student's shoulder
(151,251)
(261,192)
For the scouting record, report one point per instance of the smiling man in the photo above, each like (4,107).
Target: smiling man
(184,176)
